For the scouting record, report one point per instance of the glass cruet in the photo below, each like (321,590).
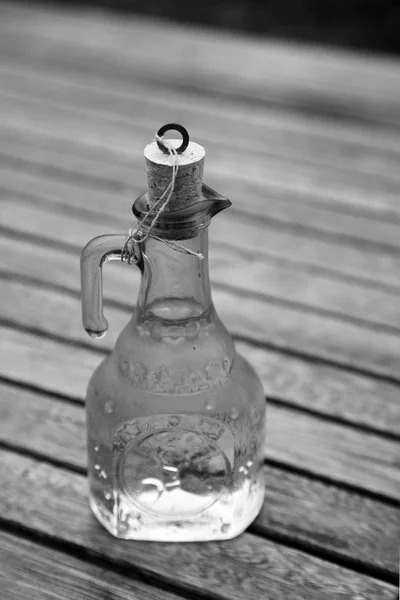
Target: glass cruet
(175,416)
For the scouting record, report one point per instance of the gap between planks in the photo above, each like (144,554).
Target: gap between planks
(85,199)
(365,193)
(319,386)
(343,84)
(37,567)
(261,131)
(300,276)
(296,439)
(275,282)
(47,476)
(331,339)
(38,155)
(273,523)
(18,77)
(339,395)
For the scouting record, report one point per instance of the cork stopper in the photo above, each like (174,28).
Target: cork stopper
(189,179)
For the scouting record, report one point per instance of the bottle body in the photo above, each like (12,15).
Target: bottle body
(176,428)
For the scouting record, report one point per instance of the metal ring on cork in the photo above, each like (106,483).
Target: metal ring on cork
(180,129)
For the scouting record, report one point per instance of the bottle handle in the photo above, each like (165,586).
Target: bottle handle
(97,252)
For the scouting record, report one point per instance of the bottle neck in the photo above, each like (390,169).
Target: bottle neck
(175,285)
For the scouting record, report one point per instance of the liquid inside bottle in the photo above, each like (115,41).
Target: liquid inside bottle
(175,417)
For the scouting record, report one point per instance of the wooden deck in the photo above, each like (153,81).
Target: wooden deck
(306,274)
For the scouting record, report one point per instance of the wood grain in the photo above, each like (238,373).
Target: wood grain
(313,513)
(323,183)
(342,84)
(244,271)
(344,525)
(282,377)
(248,567)
(40,573)
(270,131)
(252,136)
(261,319)
(295,439)
(323,389)
(57,158)
(326,390)
(330,258)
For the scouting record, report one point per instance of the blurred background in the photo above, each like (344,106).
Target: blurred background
(365,24)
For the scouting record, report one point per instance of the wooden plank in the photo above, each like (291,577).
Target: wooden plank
(230,266)
(346,525)
(35,571)
(247,567)
(230,125)
(260,319)
(293,438)
(341,83)
(311,512)
(330,258)
(339,140)
(323,389)
(57,267)
(36,153)
(324,183)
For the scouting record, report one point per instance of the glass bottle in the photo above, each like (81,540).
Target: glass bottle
(175,416)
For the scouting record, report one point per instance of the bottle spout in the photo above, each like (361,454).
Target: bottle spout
(213,203)
(209,204)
